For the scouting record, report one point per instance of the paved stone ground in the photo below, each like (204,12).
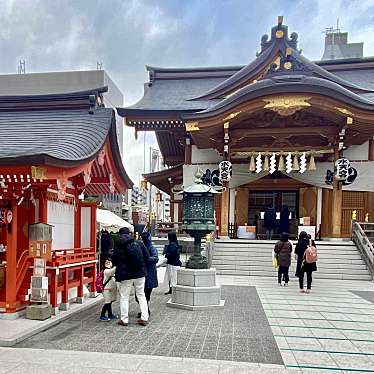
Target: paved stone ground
(329,330)
(367,295)
(40,361)
(239,332)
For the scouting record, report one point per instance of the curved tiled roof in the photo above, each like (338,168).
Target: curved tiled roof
(286,84)
(59,137)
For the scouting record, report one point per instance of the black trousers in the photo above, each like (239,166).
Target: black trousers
(308,279)
(147,292)
(107,308)
(283,270)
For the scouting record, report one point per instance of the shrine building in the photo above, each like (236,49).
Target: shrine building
(294,132)
(54,149)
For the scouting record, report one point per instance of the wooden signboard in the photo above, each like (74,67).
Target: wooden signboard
(41,249)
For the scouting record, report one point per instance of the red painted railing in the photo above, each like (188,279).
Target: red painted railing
(71,256)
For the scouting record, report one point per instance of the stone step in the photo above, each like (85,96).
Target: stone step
(316,275)
(271,248)
(292,270)
(356,266)
(241,257)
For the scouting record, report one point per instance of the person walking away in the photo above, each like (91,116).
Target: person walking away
(283,250)
(300,248)
(151,280)
(172,254)
(284,222)
(109,290)
(308,265)
(130,258)
(269,222)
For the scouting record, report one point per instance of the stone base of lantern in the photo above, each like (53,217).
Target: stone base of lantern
(39,312)
(196,290)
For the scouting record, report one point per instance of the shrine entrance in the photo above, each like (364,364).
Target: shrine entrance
(259,201)
(276,190)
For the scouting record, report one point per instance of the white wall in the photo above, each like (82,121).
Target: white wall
(357,152)
(85,227)
(61,216)
(205,155)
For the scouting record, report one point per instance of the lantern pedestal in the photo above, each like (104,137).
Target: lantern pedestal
(39,312)
(196,290)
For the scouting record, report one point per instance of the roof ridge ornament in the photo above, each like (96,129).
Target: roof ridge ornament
(279,33)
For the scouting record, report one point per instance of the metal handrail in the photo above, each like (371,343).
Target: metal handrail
(363,244)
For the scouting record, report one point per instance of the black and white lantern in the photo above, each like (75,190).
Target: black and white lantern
(342,166)
(225,169)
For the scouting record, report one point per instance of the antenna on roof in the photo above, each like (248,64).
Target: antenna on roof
(99,65)
(22,67)
(331,31)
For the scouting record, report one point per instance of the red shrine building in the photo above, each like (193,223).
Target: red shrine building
(289,132)
(54,149)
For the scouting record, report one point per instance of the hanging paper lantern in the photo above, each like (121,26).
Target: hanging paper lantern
(281,166)
(252,166)
(101,158)
(312,164)
(302,163)
(258,163)
(295,163)
(273,163)
(288,163)
(266,163)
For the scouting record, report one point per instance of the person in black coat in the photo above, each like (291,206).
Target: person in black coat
(302,266)
(284,223)
(130,258)
(270,222)
(172,254)
(151,280)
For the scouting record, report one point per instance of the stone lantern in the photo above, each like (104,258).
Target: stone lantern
(198,217)
(196,287)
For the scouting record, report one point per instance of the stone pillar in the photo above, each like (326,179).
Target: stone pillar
(225,202)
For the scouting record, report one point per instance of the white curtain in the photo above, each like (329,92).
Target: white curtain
(363,182)
(241,175)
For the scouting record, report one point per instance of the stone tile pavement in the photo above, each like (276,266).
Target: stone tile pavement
(239,332)
(329,330)
(40,361)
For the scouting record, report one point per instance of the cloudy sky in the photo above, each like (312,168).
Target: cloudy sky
(125,35)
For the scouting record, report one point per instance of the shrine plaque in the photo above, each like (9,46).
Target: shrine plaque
(41,249)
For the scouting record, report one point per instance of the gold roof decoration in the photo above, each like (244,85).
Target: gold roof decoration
(192,126)
(286,105)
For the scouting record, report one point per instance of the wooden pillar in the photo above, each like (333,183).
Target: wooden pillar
(43,208)
(188,151)
(53,288)
(93,227)
(241,211)
(336,211)
(77,227)
(80,287)
(65,291)
(225,198)
(370,200)
(11,262)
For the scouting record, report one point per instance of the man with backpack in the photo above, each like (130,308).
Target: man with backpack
(130,257)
